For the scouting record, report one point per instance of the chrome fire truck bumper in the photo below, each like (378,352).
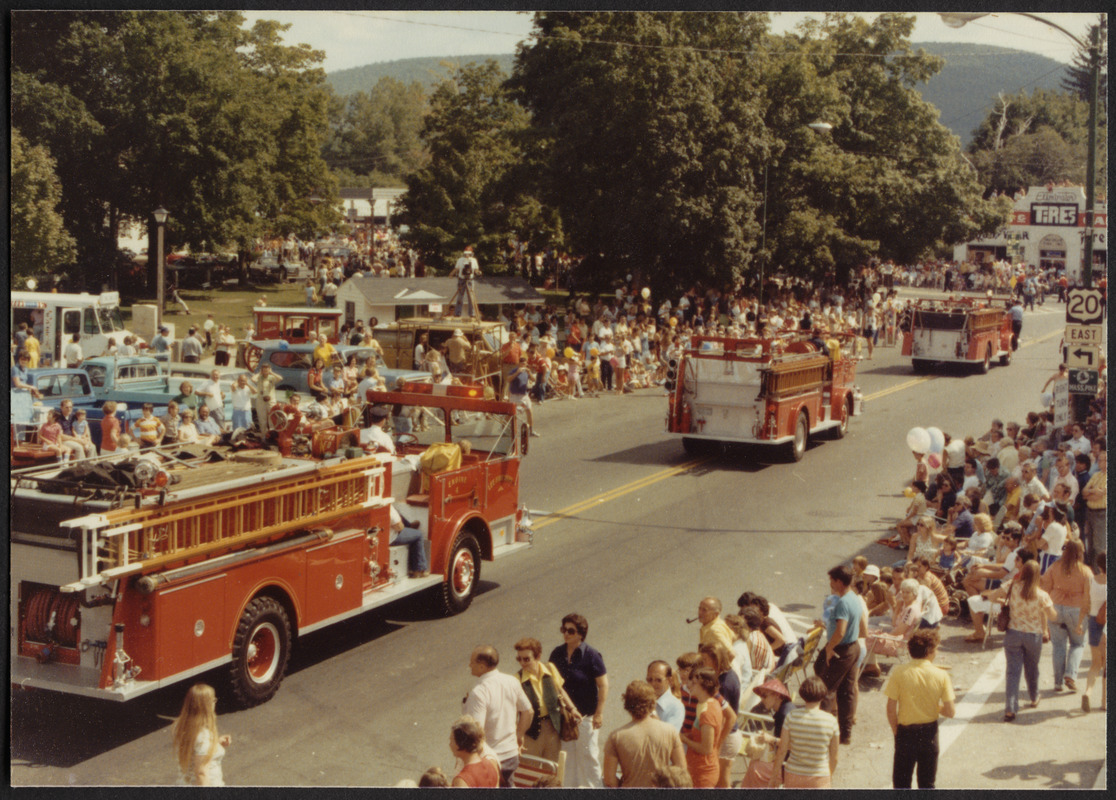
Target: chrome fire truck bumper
(28,673)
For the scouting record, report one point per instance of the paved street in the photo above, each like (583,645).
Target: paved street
(632,533)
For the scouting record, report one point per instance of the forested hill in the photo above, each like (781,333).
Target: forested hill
(963,91)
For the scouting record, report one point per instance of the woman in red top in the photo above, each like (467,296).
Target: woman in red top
(701,740)
(467,745)
(314,380)
(50,433)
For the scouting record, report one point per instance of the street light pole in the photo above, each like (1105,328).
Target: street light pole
(763,238)
(160,215)
(959,19)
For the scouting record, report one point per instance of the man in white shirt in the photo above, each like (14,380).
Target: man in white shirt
(72,354)
(210,391)
(500,705)
(375,434)
(1079,444)
(1028,475)
(668,708)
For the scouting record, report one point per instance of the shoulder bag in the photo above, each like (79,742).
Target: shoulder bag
(1003,619)
(569,730)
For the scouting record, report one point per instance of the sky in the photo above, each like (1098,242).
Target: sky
(353,38)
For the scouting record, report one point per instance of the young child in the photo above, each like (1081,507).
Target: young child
(573,376)
(593,367)
(82,434)
(947,554)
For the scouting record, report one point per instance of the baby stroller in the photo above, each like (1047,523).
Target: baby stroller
(951,579)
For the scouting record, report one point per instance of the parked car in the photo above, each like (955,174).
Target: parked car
(292,363)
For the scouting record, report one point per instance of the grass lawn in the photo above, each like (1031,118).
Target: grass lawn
(228,305)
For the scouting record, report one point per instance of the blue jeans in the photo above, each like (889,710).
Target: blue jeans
(416,548)
(241,419)
(1022,651)
(463,290)
(1063,629)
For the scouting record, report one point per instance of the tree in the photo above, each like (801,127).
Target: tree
(1033,140)
(39,240)
(221,126)
(379,132)
(458,198)
(649,131)
(1077,78)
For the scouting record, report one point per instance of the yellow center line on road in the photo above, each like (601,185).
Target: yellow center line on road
(619,491)
(641,483)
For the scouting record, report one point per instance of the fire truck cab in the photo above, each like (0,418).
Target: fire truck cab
(960,331)
(135,570)
(776,391)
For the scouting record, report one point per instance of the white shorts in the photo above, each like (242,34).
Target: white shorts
(730,747)
(522,400)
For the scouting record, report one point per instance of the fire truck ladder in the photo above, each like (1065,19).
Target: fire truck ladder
(129,540)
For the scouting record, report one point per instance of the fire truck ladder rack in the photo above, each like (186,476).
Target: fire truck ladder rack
(129,540)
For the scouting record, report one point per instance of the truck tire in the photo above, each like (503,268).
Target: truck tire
(797,446)
(842,430)
(985,365)
(920,365)
(1005,359)
(261,649)
(462,574)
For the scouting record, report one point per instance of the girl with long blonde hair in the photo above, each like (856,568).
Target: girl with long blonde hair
(197,746)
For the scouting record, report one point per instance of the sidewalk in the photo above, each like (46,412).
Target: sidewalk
(1056,746)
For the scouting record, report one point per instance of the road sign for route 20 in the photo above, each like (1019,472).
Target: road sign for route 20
(1085,307)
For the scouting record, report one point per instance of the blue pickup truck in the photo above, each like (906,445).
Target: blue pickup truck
(57,385)
(143,379)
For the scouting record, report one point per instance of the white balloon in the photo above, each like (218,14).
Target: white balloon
(918,440)
(1009,458)
(645,293)
(1047,399)
(937,440)
(956,452)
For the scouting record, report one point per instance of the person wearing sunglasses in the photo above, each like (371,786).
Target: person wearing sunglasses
(586,682)
(542,684)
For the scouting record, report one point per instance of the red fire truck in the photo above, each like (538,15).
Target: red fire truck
(963,331)
(133,571)
(776,391)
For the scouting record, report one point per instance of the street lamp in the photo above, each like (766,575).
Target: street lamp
(959,19)
(160,215)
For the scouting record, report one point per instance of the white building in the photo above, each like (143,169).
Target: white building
(1047,229)
(389,299)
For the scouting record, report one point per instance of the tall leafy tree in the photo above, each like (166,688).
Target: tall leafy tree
(649,127)
(187,110)
(38,236)
(471,135)
(379,132)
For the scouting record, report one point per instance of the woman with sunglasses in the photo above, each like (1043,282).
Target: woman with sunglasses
(542,684)
(583,671)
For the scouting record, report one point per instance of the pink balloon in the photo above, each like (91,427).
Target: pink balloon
(934,460)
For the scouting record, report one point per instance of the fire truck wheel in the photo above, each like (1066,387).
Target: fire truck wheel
(984,365)
(1005,359)
(261,648)
(846,413)
(797,447)
(462,574)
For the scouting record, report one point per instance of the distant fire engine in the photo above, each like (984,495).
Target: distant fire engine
(765,391)
(960,331)
(132,571)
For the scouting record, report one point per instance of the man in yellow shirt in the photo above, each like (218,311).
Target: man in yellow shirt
(917,694)
(1094,532)
(713,628)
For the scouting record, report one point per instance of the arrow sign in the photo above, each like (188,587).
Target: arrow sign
(1083,357)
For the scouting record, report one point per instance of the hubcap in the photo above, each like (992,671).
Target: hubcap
(800,437)
(263,648)
(463,571)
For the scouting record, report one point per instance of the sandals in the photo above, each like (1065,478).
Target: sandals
(974,638)
(1009,716)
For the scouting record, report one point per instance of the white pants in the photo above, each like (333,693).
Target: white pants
(583,764)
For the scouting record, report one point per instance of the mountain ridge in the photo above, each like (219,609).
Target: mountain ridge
(963,92)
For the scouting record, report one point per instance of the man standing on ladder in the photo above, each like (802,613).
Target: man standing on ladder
(465,270)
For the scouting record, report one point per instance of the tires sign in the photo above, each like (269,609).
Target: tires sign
(1061,403)
(1085,307)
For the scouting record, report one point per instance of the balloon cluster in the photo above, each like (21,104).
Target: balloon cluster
(931,443)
